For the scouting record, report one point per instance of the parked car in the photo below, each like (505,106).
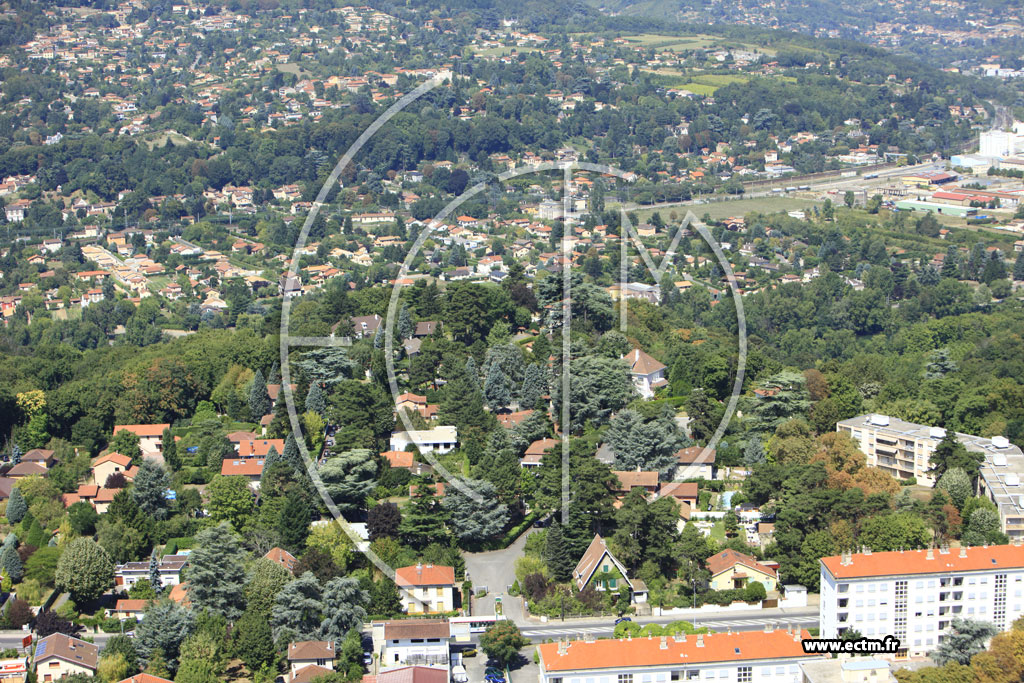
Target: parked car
(495,678)
(622,619)
(471,652)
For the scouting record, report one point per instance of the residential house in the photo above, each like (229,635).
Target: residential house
(282,557)
(170,567)
(647,373)
(684,493)
(59,655)
(40,456)
(599,568)
(310,653)
(441,439)
(744,657)
(412,642)
(535,452)
(426,588)
(26,469)
(150,436)
(259,448)
(413,674)
(144,678)
(250,468)
(696,462)
(731,569)
(425,328)
(106,465)
(126,608)
(648,481)
(365,325)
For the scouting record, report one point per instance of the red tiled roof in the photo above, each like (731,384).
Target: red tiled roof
(143,430)
(628,480)
(247,467)
(281,557)
(691,456)
(425,575)
(259,447)
(641,363)
(647,652)
(728,559)
(677,489)
(115,457)
(398,458)
(916,561)
(541,446)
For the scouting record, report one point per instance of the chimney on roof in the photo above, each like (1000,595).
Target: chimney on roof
(563,648)
(767,628)
(679,637)
(930,555)
(700,640)
(664,643)
(867,551)
(796,635)
(963,551)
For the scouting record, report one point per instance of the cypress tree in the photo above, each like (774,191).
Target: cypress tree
(293,524)
(315,399)
(556,554)
(497,390)
(533,387)
(16,506)
(1018,268)
(406,328)
(11,563)
(154,574)
(259,399)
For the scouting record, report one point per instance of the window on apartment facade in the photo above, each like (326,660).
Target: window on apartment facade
(745,674)
(625,678)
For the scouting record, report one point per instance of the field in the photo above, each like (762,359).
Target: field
(740,207)
(673,43)
(701,84)
(296,69)
(503,51)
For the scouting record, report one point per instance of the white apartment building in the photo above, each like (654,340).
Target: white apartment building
(752,657)
(914,595)
(904,450)
(441,439)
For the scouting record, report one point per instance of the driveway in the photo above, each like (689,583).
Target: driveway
(496,570)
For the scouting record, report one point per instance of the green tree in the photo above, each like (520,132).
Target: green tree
(229,499)
(259,399)
(849,198)
(170,451)
(216,575)
(149,489)
(983,527)
(294,521)
(497,389)
(383,520)
(161,632)
(649,445)
(384,598)
(534,387)
(350,477)
(753,452)
(315,399)
(11,563)
(344,605)
(16,506)
(125,647)
(473,521)
(254,641)
(895,531)
(264,580)
(965,639)
(950,453)
(422,519)
(502,642)
(85,570)
(202,659)
(556,554)
(297,610)
(957,484)
(126,443)
(406,327)
(598,387)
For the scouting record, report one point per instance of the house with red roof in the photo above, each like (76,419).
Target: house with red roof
(111,463)
(647,373)
(426,588)
(599,568)
(731,569)
(150,435)
(250,468)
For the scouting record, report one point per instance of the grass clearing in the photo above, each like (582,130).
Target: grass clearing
(672,43)
(739,207)
(292,68)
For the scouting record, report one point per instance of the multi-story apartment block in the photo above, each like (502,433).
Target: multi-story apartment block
(914,595)
(904,450)
(727,657)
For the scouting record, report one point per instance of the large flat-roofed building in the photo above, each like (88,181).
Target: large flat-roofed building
(750,657)
(916,594)
(904,450)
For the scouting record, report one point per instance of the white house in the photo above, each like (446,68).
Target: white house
(126,575)
(914,595)
(441,439)
(426,588)
(412,642)
(647,373)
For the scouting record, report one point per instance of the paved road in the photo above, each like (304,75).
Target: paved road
(739,621)
(496,570)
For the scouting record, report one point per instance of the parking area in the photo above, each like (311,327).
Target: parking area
(528,672)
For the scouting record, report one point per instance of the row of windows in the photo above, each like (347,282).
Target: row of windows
(742,674)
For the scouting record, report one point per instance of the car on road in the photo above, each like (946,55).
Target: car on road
(471,652)
(622,619)
(494,676)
